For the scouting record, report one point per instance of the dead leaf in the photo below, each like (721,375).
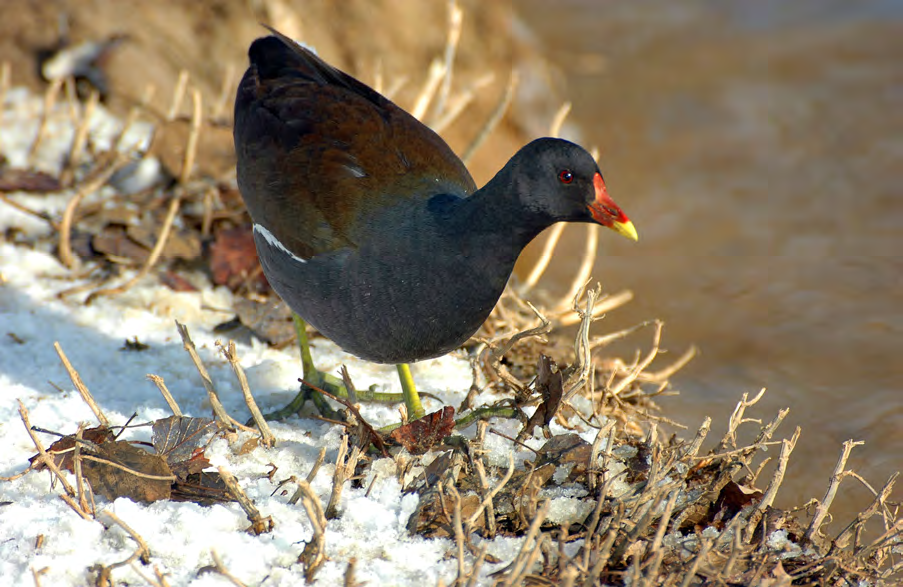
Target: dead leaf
(215,152)
(178,440)
(731,500)
(565,449)
(206,488)
(433,521)
(113,241)
(181,244)
(269,321)
(233,259)
(62,449)
(421,435)
(113,481)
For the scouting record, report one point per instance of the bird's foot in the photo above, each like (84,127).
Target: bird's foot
(318,380)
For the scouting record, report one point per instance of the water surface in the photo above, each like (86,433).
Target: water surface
(758,148)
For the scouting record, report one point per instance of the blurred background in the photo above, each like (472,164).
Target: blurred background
(757,146)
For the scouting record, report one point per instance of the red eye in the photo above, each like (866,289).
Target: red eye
(566,176)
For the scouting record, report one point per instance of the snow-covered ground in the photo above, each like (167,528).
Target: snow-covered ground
(181,536)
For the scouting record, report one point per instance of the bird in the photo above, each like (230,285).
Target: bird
(367,224)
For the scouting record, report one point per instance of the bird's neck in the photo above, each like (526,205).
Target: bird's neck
(493,221)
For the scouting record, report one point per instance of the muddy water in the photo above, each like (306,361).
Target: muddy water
(759,151)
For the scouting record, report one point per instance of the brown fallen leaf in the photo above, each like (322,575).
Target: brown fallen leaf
(62,449)
(113,241)
(421,435)
(731,500)
(178,440)
(115,475)
(215,153)
(431,519)
(233,259)
(206,488)
(181,244)
(563,449)
(269,321)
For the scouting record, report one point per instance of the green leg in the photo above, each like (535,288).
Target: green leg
(307,362)
(335,386)
(311,377)
(409,391)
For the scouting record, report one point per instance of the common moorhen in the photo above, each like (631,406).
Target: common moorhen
(368,225)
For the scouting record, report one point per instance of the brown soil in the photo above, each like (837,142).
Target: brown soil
(208,37)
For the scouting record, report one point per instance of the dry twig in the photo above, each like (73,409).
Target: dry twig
(192,147)
(170,401)
(836,477)
(487,500)
(79,139)
(266,434)
(44,455)
(433,77)
(586,266)
(314,554)
(219,411)
(344,470)
(856,525)
(259,524)
(178,95)
(545,257)
(50,97)
(787,447)
(99,179)
(494,119)
(529,549)
(455,17)
(226,92)
(81,387)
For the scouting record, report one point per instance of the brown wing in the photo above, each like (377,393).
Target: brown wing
(319,153)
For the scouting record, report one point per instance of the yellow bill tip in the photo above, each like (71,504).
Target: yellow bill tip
(625,229)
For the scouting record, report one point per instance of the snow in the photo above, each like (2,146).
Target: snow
(182,536)
(779,540)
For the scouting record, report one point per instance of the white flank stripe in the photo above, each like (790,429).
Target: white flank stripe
(274,242)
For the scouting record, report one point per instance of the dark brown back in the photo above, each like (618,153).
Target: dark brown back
(321,154)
